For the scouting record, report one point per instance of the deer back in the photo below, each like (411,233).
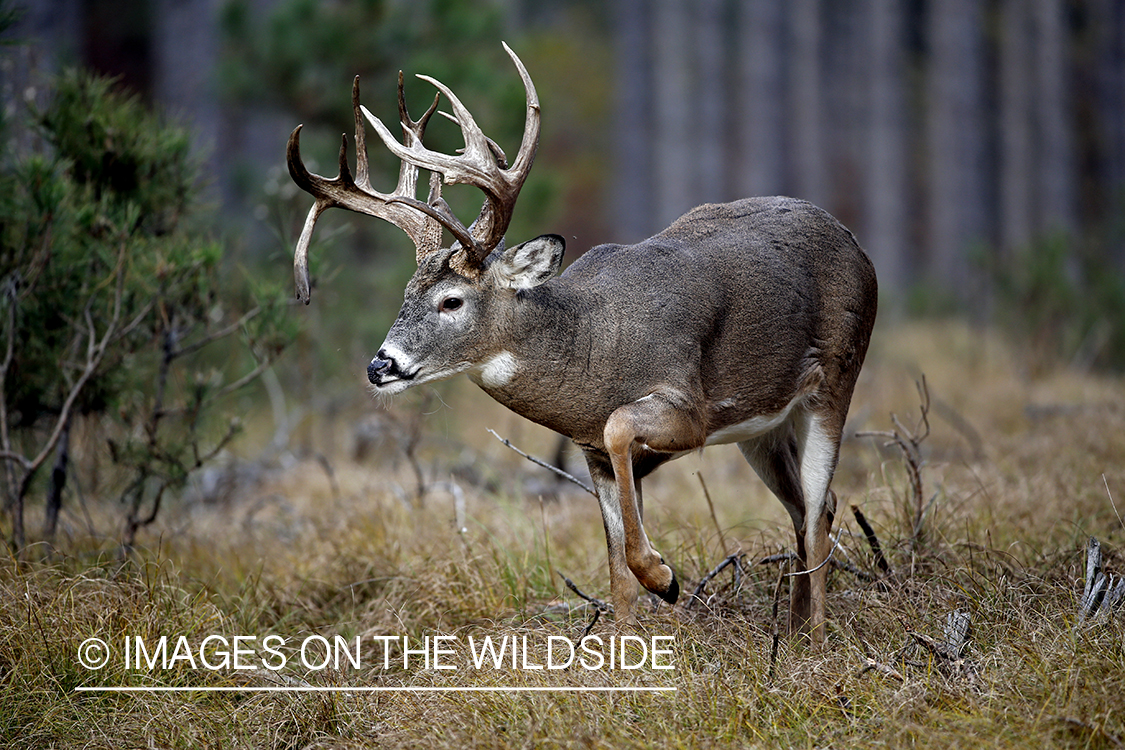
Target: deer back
(740,307)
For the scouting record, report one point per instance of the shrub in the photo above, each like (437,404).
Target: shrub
(115,306)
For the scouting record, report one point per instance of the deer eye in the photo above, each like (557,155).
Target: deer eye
(449,304)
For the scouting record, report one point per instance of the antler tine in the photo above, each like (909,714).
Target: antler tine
(501,157)
(318,187)
(357,195)
(481,164)
(529,145)
(361,163)
(410,127)
(412,132)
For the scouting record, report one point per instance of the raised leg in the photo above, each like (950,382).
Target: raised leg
(658,423)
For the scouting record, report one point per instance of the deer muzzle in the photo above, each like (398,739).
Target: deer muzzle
(384,369)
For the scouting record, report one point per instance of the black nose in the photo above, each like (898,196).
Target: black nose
(381,365)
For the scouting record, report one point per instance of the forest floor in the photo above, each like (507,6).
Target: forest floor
(270,573)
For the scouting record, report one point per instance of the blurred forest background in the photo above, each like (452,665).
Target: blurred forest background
(975,147)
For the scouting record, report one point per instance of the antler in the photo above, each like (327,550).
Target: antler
(482,163)
(357,195)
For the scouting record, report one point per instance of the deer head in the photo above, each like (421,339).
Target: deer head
(453,293)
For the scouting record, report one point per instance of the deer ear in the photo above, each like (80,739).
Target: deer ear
(528,265)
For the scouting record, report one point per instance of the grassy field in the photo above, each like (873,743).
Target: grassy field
(1019,470)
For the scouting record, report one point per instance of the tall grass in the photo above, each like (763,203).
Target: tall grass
(1014,466)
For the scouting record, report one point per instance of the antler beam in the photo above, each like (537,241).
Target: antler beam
(343,191)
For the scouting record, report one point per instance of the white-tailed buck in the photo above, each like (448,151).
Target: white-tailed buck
(744,322)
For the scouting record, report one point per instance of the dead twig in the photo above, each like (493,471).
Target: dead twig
(847,567)
(909,442)
(826,561)
(593,621)
(711,507)
(839,565)
(872,541)
(545,465)
(598,603)
(1111,502)
(778,558)
(947,654)
(775,632)
(870,665)
(731,559)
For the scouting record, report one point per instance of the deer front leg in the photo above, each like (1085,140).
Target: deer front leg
(653,423)
(622,584)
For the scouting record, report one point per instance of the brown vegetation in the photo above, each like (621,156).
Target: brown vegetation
(1017,474)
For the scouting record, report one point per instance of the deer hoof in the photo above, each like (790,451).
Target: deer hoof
(672,593)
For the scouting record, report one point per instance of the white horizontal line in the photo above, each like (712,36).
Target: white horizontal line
(320,689)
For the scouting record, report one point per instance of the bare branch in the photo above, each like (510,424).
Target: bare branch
(95,351)
(545,465)
(824,562)
(872,540)
(14,457)
(598,603)
(224,391)
(222,333)
(732,559)
(909,442)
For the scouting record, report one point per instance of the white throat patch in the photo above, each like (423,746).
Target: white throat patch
(497,371)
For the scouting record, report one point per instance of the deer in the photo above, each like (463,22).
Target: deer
(744,322)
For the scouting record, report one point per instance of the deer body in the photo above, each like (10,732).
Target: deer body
(718,321)
(743,323)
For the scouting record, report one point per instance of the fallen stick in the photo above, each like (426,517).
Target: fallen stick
(731,559)
(873,666)
(545,465)
(872,540)
(593,600)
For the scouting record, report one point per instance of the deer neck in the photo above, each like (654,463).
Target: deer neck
(538,345)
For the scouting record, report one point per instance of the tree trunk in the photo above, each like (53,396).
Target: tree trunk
(886,205)
(958,201)
(807,148)
(57,483)
(709,104)
(1056,208)
(674,167)
(1017,155)
(633,194)
(761,114)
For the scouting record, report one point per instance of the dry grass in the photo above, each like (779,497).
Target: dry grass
(1015,468)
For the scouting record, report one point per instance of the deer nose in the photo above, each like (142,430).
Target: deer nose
(381,365)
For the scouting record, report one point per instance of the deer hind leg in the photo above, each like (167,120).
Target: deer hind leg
(658,423)
(775,459)
(796,462)
(818,441)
